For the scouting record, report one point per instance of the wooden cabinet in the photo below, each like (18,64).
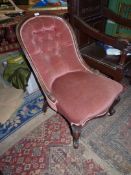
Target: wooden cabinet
(8,40)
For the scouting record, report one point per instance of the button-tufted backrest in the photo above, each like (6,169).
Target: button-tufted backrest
(51,47)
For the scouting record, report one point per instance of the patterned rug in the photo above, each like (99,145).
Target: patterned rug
(105,147)
(48,150)
(32,106)
(110,137)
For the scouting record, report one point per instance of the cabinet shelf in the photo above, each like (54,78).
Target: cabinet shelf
(8,39)
(9,47)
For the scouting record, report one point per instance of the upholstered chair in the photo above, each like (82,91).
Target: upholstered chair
(70,87)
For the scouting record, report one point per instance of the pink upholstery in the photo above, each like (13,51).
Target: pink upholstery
(51,49)
(82,95)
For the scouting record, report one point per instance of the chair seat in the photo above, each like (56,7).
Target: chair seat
(75,100)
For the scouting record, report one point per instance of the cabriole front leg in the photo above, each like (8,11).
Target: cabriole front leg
(76,132)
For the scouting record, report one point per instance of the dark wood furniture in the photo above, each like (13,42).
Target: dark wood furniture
(8,40)
(88,18)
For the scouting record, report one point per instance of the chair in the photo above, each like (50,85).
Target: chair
(88,19)
(70,87)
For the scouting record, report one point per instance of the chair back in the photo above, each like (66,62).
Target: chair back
(50,47)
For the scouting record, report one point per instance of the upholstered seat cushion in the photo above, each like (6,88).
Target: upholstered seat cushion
(83,95)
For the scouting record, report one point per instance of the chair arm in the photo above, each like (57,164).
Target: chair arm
(97,35)
(120,44)
(127,49)
(116,18)
(124,52)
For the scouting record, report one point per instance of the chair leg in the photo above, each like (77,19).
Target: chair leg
(111,110)
(45,105)
(76,131)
